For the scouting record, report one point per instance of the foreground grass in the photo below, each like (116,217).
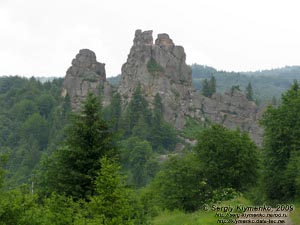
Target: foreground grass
(181,218)
(295,215)
(199,217)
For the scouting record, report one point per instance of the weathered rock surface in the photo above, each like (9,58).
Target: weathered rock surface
(160,67)
(232,109)
(84,76)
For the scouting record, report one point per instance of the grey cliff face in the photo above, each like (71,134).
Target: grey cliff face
(232,110)
(160,67)
(84,76)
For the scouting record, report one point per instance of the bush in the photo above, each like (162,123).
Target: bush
(229,158)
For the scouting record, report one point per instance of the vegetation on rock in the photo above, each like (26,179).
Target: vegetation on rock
(153,67)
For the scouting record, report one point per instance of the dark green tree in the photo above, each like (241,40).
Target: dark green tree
(142,129)
(3,161)
(115,111)
(229,158)
(137,108)
(23,109)
(114,203)
(212,85)
(209,87)
(282,146)
(73,168)
(157,122)
(138,159)
(157,110)
(205,88)
(181,184)
(163,135)
(45,103)
(35,128)
(249,92)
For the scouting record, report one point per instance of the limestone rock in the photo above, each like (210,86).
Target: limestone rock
(84,76)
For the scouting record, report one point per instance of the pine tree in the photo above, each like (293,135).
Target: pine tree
(137,107)
(157,120)
(249,92)
(3,160)
(157,110)
(212,86)
(209,87)
(205,88)
(115,111)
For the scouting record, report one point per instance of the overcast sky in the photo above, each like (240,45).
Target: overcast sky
(41,37)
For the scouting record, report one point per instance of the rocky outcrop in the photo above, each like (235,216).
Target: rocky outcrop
(232,109)
(84,76)
(159,68)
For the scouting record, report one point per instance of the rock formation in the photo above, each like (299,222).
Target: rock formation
(160,67)
(232,109)
(84,76)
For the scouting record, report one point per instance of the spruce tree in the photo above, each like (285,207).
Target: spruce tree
(3,160)
(212,86)
(205,88)
(137,107)
(157,110)
(249,92)
(77,161)
(209,87)
(115,111)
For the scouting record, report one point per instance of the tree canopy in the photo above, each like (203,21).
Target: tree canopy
(229,158)
(282,146)
(76,162)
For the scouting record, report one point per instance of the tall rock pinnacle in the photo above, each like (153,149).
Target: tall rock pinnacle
(158,67)
(84,76)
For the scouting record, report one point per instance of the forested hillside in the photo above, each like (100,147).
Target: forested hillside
(267,84)
(32,119)
(107,165)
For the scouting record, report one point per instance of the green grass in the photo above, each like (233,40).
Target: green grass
(181,218)
(295,215)
(199,217)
